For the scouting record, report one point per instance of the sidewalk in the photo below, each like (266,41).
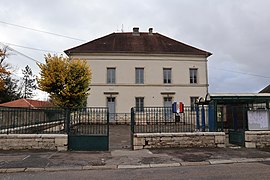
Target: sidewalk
(32,161)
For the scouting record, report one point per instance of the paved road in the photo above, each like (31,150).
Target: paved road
(26,160)
(225,171)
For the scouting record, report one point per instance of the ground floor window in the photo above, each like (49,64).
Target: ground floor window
(111,104)
(167,101)
(168,108)
(139,104)
(111,108)
(192,103)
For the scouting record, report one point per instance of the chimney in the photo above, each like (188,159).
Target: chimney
(150,31)
(136,31)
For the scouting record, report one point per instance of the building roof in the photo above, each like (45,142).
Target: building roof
(240,97)
(26,103)
(141,42)
(266,89)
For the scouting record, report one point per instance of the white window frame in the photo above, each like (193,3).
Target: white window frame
(167,75)
(139,104)
(192,102)
(139,75)
(193,75)
(111,75)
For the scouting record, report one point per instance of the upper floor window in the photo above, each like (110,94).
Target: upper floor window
(167,75)
(193,78)
(139,75)
(111,75)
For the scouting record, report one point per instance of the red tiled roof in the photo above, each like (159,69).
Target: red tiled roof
(27,103)
(154,43)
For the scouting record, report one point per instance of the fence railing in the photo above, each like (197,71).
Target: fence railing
(93,120)
(53,120)
(119,118)
(163,120)
(29,120)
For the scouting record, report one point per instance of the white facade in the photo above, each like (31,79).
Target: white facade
(153,90)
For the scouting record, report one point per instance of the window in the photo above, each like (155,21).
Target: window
(168,108)
(111,75)
(167,101)
(167,75)
(192,103)
(139,104)
(193,76)
(139,75)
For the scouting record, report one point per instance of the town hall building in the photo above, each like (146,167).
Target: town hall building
(140,69)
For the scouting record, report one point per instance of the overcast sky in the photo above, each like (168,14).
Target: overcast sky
(237,32)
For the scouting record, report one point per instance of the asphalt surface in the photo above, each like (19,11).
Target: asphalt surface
(121,156)
(245,171)
(26,161)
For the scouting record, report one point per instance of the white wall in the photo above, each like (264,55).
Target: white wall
(153,79)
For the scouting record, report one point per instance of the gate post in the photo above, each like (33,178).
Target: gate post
(197,117)
(203,118)
(211,118)
(67,120)
(132,123)
(108,125)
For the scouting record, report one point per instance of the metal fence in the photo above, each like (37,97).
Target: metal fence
(163,120)
(119,118)
(29,120)
(53,120)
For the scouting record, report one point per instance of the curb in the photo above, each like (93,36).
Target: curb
(135,166)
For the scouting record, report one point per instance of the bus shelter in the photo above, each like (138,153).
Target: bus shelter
(229,112)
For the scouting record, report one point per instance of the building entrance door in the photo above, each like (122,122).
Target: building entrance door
(168,108)
(111,107)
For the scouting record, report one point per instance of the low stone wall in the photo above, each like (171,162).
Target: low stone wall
(257,139)
(181,140)
(34,142)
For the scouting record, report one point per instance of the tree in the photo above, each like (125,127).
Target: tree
(3,68)
(29,82)
(3,54)
(3,74)
(10,91)
(67,81)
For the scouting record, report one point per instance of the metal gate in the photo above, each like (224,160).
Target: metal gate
(88,129)
(237,137)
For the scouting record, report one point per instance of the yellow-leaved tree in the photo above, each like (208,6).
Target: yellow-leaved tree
(66,80)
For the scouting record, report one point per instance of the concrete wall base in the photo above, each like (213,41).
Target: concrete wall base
(181,140)
(257,139)
(57,142)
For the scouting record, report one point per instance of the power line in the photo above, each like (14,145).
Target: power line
(18,52)
(42,31)
(239,72)
(26,47)
(25,55)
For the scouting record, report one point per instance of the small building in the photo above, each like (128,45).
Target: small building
(138,69)
(238,114)
(26,111)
